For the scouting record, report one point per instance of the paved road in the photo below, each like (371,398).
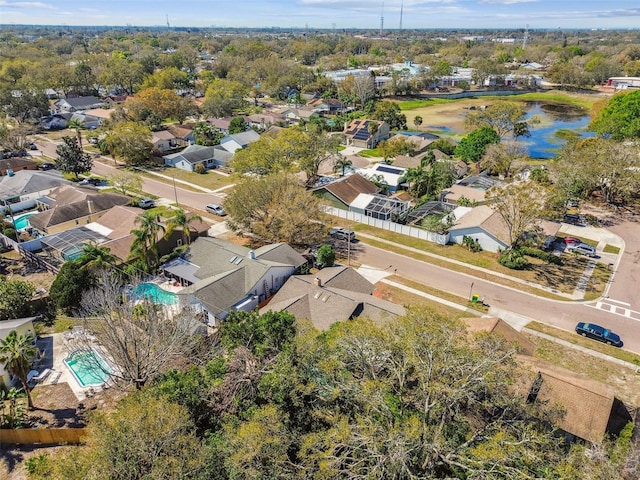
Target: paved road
(186,198)
(560,314)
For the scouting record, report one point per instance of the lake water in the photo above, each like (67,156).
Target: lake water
(554,117)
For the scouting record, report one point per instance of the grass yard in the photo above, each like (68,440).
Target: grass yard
(211,180)
(611,249)
(562,278)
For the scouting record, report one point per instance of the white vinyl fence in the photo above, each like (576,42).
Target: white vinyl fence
(391,226)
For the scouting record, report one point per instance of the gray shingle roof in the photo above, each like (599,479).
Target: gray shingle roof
(199,153)
(25,182)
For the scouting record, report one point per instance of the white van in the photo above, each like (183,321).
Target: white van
(583,249)
(343,233)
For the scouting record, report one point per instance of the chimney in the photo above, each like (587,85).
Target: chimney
(90,206)
(317,282)
(251,255)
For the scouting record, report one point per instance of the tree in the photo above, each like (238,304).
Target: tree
(29,106)
(504,159)
(503,117)
(445,145)
(156,103)
(145,437)
(620,117)
(143,339)
(125,182)
(390,112)
(341,164)
(15,298)
(276,209)
(69,285)
(417,121)
(96,258)
(207,134)
(144,245)
(326,256)
(395,146)
(237,125)
(17,352)
(520,205)
(130,141)
(181,219)
(223,97)
(472,146)
(71,158)
(170,78)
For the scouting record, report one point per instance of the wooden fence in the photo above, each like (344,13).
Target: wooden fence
(44,436)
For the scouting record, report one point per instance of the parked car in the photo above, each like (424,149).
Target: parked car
(47,166)
(549,242)
(147,203)
(91,181)
(33,146)
(599,333)
(215,209)
(343,233)
(571,240)
(583,249)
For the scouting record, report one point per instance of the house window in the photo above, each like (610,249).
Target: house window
(179,242)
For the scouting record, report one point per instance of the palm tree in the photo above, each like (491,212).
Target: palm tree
(17,352)
(341,164)
(147,236)
(181,220)
(77,125)
(95,257)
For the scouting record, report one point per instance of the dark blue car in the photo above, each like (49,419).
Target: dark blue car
(599,333)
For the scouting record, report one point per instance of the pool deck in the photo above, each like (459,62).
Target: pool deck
(169,286)
(60,372)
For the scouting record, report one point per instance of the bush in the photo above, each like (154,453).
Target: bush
(472,244)
(199,168)
(513,259)
(326,256)
(545,256)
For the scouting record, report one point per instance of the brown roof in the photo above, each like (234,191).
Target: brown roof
(104,113)
(587,403)
(16,163)
(348,188)
(309,297)
(456,191)
(502,328)
(163,135)
(181,131)
(73,203)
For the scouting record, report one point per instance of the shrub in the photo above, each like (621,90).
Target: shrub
(326,256)
(513,259)
(472,244)
(545,256)
(199,168)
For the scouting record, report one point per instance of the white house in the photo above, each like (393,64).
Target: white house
(163,140)
(389,173)
(21,189)
(23,326)
(187,159)
(482,224)
(237,141)
(379,206)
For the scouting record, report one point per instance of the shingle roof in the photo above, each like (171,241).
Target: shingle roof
(348,188)
(25,182)
(587,403)
(163,135)
(72,203)
(332,294)
(15,163)
(199,153)
(79,102)
(502,328)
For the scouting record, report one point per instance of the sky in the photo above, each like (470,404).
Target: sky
(328,14)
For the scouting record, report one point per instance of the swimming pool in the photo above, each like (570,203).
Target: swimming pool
(88,367)
(22,221)
(153,292)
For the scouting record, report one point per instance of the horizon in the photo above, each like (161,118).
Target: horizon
(392,15)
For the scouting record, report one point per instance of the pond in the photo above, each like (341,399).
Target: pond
(554,118)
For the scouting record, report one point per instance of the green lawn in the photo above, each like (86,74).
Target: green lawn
(211,180)
(611,249)
(413,104)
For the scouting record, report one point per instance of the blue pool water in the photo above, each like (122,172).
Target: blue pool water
(154,293)
(22,221)
(88,367)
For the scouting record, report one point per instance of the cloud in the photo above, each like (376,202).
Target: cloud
(26,5)
(508,2)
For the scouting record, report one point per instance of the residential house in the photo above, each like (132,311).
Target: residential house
(332,294)
(342,192)
(101,113)
(183,133)
(238,141)
(419,140)
(389,174)
(484,224)
(223,276)
(210,157)
(23,326)
(379,206)
(68,206)
(497,326)
(326,106)
(591,410)
(16,164)
(74,104)
(293,116)
(21,189)
(57,121)
(222,124)
(87,121)
(366,133)
(457,192)
(263,121)
(163,140)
